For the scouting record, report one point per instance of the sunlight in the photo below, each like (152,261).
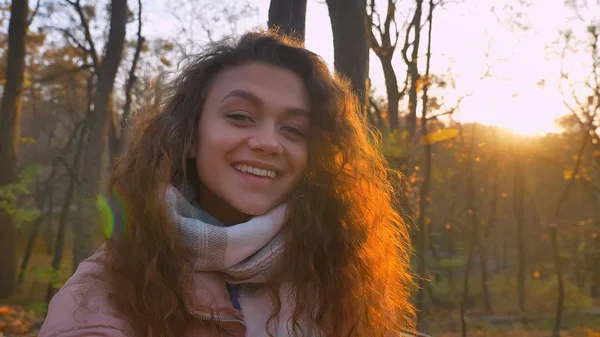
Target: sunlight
(526,110)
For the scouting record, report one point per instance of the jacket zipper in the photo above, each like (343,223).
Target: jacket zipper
(216,319)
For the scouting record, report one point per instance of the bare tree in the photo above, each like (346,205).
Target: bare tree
(485,239)
(289,17)
(425,191)
(62,225)
(412,64)
(98,127)
(10,116)
(384,46)
(519,210)
(553,232)
(131,81)
(474,217)
(350,44)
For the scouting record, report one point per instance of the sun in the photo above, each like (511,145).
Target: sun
(530,111)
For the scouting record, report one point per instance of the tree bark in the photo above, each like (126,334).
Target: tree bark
(424,193)
(350,44)
(385,52)
(577,263)
(40,200)
(595,285)
(474,230)
(289,17)
(484,244)
(554,239)
(519,210)
(393,93)
(99,120)
(413,67)
(131,81)
(64,213)
(10,116)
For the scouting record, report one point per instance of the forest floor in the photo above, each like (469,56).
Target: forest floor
(18,321)
(583,324)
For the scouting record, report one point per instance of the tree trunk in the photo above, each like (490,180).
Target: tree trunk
(577,263)
(64,213)
(131,81)
(289,17)
(413,67)
(561,287)
(554,239)
(519,209)
(393,92)
(99,120)
(485,242)
(10,116)
(49,229)
(350,44)
(451,254)
(375,117)
(424,193)
(472,209)
(595,286)
(384,48)
(40,200)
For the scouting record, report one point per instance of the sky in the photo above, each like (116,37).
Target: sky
(470,37)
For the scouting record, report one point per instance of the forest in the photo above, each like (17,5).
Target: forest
(504,214)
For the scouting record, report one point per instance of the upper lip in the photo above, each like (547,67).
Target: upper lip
(259,165)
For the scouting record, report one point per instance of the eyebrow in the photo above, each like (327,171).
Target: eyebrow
(254,99)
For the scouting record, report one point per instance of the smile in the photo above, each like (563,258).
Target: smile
(256,171)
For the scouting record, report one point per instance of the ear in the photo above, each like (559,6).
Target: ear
(192,150)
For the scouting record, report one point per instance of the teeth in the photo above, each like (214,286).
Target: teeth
(256,171)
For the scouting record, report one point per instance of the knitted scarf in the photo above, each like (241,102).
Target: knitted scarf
(244,253)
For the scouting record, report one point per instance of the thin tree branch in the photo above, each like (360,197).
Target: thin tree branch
(132,77)
(75,40)
(34,13)
(88,36)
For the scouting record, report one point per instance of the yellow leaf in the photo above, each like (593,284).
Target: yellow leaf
(568,174)
(164,61)
(439,136)
(421,82)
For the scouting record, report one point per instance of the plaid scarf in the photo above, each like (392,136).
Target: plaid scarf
(245,253)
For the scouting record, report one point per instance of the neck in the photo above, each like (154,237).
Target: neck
(219,208)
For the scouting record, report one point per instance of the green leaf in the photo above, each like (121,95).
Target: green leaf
(452,262)
(439,136)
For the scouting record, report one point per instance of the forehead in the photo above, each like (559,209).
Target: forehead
(272,85)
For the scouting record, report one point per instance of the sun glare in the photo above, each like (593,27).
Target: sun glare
(530,111)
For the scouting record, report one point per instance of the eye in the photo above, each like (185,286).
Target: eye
(294,130)
(239,117)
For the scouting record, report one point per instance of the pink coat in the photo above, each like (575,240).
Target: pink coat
(67,318)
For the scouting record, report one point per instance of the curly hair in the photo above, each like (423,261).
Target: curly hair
(344,236)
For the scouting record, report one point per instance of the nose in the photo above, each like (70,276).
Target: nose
(266,141)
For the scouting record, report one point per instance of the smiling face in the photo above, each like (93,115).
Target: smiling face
(250,147)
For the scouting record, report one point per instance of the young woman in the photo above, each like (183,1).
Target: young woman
(254,203)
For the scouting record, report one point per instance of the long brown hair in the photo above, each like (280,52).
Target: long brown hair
(344,236)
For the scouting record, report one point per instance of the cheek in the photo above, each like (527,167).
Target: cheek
(299,157)
(214,147)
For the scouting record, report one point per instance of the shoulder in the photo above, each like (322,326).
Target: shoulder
(82,306)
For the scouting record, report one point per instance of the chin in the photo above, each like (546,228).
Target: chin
(253,209)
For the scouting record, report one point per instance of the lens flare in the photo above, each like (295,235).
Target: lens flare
(113,214)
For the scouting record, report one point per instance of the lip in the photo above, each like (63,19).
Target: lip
(259,165)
